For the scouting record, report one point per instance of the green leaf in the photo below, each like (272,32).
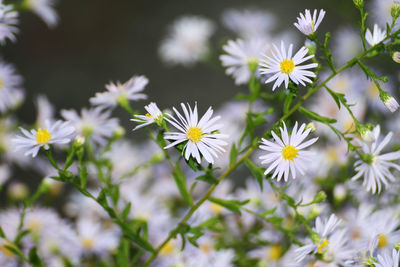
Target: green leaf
(136,239)
(126,211)
(180,181)
(207,178)
(233,155)
(232,205)
(314,116)
(34,258)
(334,96)
(2,235)
(268,212)
(256,171)
(83,173)
(274,219)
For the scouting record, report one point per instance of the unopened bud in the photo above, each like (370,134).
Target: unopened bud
(396,57)
(397,246)
(119,132)
(312,47)
(365,131)
(319,197)
(312,126)
(18,191)
(359,3)
(395,11)
(389,101)
(340,192)
(79,141)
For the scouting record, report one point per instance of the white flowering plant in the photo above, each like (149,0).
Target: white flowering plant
(292,172)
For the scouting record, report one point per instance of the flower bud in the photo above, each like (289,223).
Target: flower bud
(340,192)
(359,3)
(79,141)
(389,101)
(395,11)
(312,47)
(319,197)
(119,132)
(396,57)
(365,132)
(18,191)
(312,126)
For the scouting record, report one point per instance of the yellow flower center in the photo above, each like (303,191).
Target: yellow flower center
(194,134)
(287,66)
(290,153)
(1,84)
(206,248)
(275,252)
(148,115)
(7,251)
(324,244)
(43,137)
(87,243)
(167,249)
(217,209)
(373,91)
(382,241)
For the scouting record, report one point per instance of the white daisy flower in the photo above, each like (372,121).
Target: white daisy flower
(376,37)
(45,10)
(187,41)
(242,58)
(54,133)
(286,154)
(199,134)
(376,170)
(154,115)
(308,24)
(118,93)
(388,260)
(8,20)
(95,238)
(92,123)
(283,66)
(248,23)
(11,93)
(331,243)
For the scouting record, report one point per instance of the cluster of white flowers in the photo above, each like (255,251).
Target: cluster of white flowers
(176,199)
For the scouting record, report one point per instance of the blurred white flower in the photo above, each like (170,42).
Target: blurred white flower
(242,58)
(376,37)
(380,11)
(118,93)
(45,10)
(375,167)
(95,238)
(248,23)
(285,155)
(200,136)
(187,41)
(8,21)
(45,111)
(346,45)
(11,92)
(308,24)
(58,132)
(388,260)
(93,123)
(284,66)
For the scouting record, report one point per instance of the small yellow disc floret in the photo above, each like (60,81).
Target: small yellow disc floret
(194,134)
(287,66)
(289,153)
(43,137)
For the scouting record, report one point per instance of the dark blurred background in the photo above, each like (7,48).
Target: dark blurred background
(98,41)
